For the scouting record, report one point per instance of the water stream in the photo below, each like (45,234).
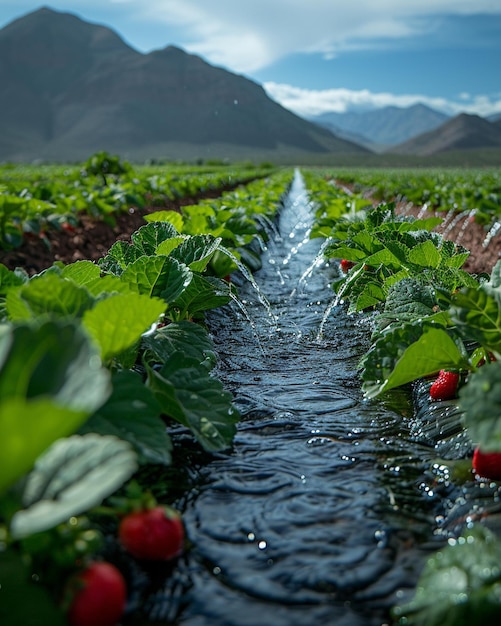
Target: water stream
(319,514)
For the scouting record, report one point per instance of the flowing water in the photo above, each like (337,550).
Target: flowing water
(322,513)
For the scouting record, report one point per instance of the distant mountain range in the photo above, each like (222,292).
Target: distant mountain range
(380,128)
(70,88)
(462,132)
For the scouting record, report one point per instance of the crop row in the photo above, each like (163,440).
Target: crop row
(95,359)
(475,191)
(430,321)
(33,201)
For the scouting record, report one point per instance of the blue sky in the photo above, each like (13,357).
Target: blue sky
(323,55)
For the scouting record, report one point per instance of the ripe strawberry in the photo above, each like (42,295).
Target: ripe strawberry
(487,464)
(152,534)
(445,386)
(98,596)
(346,265)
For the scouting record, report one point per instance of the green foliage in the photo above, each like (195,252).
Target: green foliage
(480,404)
(51,380)
(72,476)
(460,585)
(190,395)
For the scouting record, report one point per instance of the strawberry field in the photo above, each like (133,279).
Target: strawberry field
(274,383)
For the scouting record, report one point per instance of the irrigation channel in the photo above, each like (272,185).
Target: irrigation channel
(324,511)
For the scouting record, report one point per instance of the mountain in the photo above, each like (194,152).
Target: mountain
(462,132)
(382,127)
(70,88)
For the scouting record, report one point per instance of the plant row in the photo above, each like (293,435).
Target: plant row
(34,201)
(430,320)
(97,361)
(470,190)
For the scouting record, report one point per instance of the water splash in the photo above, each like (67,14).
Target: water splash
(460,216)
(247,274)
(493,231)
(317,262)
(464,226)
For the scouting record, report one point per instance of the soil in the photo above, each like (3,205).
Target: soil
(92,238)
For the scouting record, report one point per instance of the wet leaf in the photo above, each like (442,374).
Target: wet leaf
(71,477)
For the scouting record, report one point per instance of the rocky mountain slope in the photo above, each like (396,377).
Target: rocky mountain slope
(70,88)
(463,132)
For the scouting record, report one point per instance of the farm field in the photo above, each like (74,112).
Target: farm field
(148,317)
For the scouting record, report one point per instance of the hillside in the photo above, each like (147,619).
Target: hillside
(462,132)
(70,88)
(383,127)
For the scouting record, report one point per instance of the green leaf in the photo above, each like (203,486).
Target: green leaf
(51,380)
(203,293)
(147,238)
(477,314)
(9,279)
(158,276)
(189,395)
(425,254)
(196,251)
(406,353)
(132,413)
(175,218)
(71,477)
(48,294)
(460,585)
(81,272)
(118,322)
(120,255)
(480,403)
(407,300)
(187,337)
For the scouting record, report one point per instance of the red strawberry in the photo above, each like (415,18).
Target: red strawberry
(487,464)
(153,534)
(98,596)
(346,265)
(445,386)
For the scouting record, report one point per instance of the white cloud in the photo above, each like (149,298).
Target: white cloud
(308,102)
(248,36)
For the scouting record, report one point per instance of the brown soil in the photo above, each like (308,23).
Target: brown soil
(92,238)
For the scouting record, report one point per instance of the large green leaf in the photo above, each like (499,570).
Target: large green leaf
(175,218)
(147,238)
(118,322)
(132,413)
(477,314)
(460,585)
(188,394)
(480,403)
(425,254)
(406,353)
(195,251)
(81,272)
(203,293)
(187,337)
(72,476)
(48,294)
(120,255)
(51,380)
(160,276)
